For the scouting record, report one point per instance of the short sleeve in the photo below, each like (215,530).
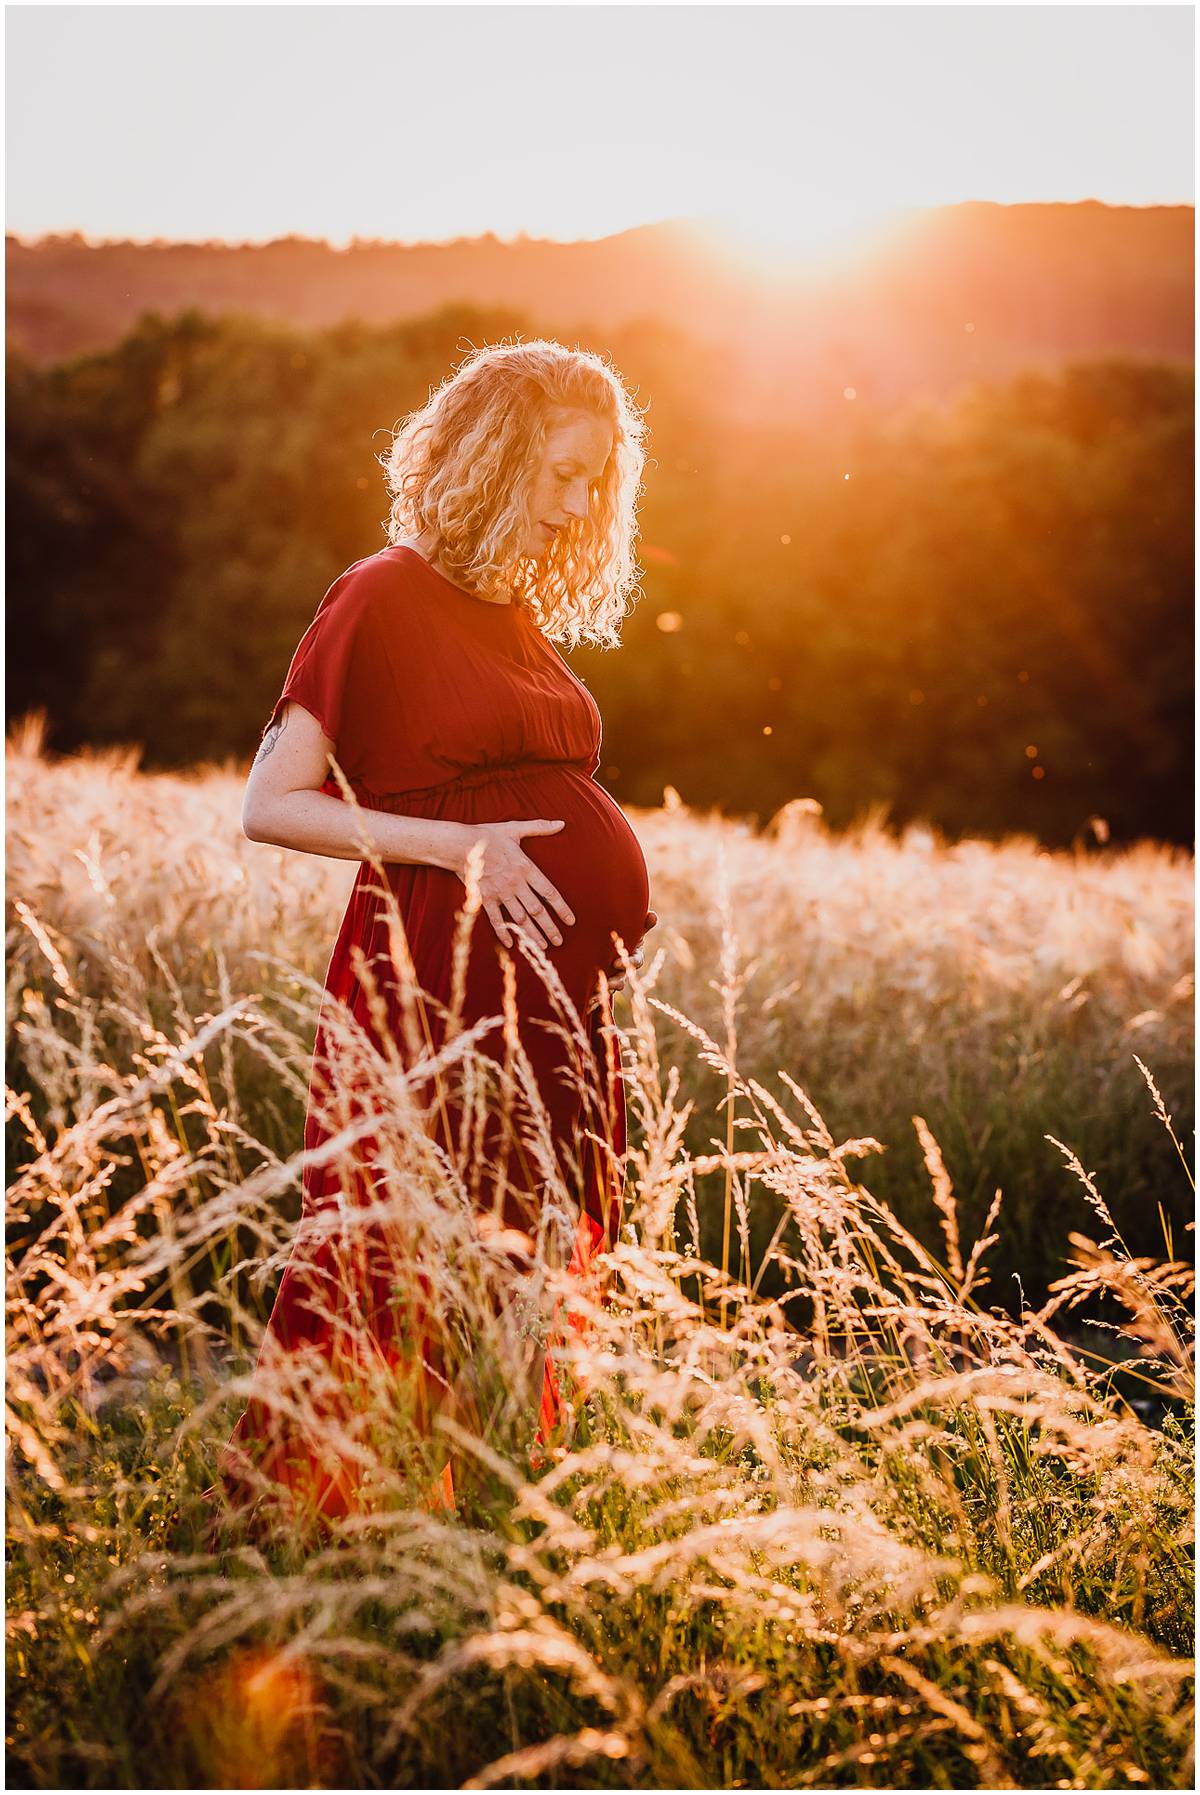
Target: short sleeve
(338,672)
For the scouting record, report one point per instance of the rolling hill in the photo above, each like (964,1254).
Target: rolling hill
(940,299)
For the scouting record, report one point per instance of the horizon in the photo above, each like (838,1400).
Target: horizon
(794,130)
(91,241)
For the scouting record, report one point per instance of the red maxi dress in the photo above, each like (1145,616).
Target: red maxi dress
(445,705)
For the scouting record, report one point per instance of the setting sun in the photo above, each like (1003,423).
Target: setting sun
(810,234)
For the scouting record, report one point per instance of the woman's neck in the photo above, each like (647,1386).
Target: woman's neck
(422,546)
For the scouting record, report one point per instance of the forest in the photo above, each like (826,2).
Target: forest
(879,1467)
(975,613)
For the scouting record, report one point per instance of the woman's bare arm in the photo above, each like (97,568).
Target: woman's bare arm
(285,806)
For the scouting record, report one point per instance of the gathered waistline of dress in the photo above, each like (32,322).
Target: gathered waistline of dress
(467,780)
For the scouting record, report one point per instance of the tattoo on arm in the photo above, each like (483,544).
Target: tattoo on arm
(269,739)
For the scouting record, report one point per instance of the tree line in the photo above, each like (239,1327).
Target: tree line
(978,614)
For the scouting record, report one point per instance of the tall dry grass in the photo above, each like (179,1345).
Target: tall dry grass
(825,1511)
(993,988)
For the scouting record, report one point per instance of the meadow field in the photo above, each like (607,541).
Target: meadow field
(880,1465)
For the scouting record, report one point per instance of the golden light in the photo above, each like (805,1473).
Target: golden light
(274,1689)
(785,232)
(669,621)
(254,1716)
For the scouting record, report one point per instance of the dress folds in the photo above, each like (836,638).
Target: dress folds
(445,705)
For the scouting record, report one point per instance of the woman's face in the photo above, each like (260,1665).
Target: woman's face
(577,447)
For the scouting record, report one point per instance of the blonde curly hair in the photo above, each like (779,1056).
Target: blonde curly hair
(460,472)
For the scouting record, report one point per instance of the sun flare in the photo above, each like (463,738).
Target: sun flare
(809,234)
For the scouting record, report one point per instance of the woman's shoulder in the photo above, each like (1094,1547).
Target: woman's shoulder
(382,584)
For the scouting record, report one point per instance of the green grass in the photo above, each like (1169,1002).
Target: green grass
(837,1513)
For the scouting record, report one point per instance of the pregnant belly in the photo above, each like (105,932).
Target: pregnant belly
(595,860)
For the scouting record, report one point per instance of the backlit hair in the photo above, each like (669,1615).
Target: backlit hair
(461,470)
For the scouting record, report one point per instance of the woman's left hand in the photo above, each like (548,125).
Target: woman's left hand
(616,972)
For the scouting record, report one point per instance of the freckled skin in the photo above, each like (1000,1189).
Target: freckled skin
(576,452)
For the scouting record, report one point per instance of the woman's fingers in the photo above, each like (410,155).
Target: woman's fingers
(537,913)
(525,912)
(498,923)
(528,917)
(528,911)
(540,883)
(616,973)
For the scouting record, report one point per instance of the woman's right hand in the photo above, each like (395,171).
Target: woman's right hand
(510,882)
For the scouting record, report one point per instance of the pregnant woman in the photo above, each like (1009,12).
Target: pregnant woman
(466,747)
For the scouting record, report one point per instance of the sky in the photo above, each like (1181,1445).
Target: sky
(795,126)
